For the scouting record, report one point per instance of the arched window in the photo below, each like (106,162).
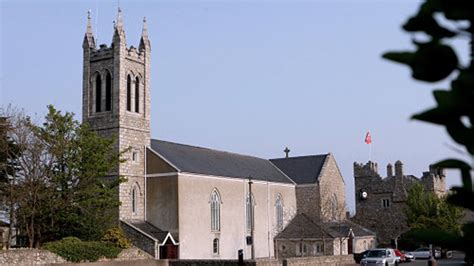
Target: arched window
(108,92)
(98,93)
(279,212)
(129,93)
(249,210)
(137,95)
(215,246)
(215,211)
(134,199)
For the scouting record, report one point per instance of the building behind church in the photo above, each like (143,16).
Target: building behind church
(381,202)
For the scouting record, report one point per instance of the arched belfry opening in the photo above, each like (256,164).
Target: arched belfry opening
(108,92)
(129,93)
(137,95)
(98,93)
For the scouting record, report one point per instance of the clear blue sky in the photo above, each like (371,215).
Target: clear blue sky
(244,76)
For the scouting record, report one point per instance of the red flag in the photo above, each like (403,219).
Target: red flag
(368,138)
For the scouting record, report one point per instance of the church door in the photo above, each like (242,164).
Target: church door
(169,251)
(350,242)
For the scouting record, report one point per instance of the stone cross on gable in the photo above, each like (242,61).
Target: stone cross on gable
(287,151)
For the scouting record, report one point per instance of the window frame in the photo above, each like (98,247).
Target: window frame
(215,205)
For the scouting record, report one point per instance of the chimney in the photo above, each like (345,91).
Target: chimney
(389,170)
(398,169)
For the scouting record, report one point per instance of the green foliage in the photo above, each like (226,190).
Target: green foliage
(63,185)
(425,210)
(75,250)
(117,237)
(434,60)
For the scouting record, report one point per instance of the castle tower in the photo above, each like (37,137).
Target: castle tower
(116,103)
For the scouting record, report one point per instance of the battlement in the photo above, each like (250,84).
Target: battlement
(434,180)
(370,169)
(134,54)
(102,53)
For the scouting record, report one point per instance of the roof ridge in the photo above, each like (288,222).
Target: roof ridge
(300,157)
(210,149)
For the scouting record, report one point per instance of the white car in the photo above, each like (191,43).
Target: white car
(421,253)
(380,256)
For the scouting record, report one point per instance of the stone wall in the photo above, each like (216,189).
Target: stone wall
(320,261)
(332,191)
(28,257)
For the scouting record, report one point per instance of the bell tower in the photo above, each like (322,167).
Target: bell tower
(116,103)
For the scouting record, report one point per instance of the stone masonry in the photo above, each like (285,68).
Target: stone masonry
(124,112)
(381,202)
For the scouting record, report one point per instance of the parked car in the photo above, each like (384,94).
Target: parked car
(409,257)
(380,256)
(359,256)
(425,253)
(400,256)
(420,253)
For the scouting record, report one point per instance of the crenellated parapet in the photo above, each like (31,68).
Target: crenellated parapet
(434,180)
(370,169)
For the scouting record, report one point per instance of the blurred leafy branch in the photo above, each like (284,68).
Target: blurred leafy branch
(438,22)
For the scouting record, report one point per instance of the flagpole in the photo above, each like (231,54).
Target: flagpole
(370,152)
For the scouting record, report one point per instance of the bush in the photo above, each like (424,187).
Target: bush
(75,250)
(117,237)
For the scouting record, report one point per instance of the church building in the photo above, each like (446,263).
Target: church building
(188,202)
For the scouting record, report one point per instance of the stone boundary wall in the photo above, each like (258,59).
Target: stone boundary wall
(26,256)
(130,257)
(321,261)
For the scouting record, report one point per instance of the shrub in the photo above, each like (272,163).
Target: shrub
(117,237)
(75,250)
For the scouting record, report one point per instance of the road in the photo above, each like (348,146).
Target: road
(457,259)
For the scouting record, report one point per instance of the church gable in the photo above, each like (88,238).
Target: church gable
(156,164)
(304,169)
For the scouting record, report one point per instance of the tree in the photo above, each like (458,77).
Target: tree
(425,210)
(435,60)
(9,153)
(64,188)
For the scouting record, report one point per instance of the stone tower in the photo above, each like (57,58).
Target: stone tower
(116,103)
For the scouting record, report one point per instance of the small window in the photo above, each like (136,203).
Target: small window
(215,246)
(135,156)
(318,248)
(386,203)
(134,200)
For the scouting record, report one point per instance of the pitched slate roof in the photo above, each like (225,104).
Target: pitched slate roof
(150,229)
(341,229)
(303,169)
(205,161)
(302,227)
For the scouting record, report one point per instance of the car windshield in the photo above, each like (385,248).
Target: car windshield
(376,254)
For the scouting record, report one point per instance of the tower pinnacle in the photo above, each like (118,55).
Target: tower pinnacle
(89,36)
(119,20)
(144,41)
